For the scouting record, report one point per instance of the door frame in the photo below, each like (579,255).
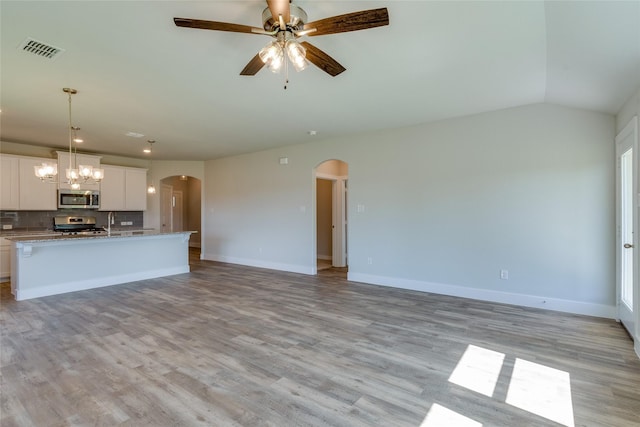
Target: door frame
(631,322)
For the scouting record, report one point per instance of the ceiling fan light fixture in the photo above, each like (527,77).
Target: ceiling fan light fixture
(273,56)
(297,54)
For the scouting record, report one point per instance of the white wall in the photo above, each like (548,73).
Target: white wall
(441,207)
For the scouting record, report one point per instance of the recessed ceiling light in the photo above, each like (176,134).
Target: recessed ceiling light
(134,134)
(312,132)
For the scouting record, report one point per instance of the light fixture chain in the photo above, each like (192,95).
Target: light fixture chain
(286,73)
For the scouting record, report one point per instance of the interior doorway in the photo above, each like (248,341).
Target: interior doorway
(181,207)
(331,215)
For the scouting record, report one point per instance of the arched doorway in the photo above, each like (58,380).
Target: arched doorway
(180,207)
(331,214)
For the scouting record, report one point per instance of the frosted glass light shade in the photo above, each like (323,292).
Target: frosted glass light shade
(273,56)
(85,171)
(97,174)
(46,171)
(297,54)
(72,174)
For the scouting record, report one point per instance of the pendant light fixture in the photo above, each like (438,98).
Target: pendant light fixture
(151,189)
(77,174)
(47,172)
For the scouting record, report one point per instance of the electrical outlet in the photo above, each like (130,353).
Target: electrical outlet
(504,274)
(369,260)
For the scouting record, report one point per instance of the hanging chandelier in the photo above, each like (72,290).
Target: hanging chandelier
(78,174)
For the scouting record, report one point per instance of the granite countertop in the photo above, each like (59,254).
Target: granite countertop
(27,232)
(114,235)
(19,232)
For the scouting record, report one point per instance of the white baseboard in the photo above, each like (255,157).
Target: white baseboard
(81,285)
(303,269)
(324,257)
(568,306)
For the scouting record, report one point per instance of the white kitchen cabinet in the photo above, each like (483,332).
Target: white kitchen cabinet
(112,189)
(9,186)
(80,159)
(35,195)
(135,193)
(20,189)
(5,259)
(123,189)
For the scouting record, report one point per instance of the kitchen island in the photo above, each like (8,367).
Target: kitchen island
(55,264)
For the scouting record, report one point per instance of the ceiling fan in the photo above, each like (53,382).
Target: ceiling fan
(286,23)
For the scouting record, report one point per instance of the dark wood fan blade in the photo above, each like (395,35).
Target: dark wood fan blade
(349,22)
(213,25)
(252,67)
(280,7)
(322,60)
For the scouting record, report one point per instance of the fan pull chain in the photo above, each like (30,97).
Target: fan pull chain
(286,73)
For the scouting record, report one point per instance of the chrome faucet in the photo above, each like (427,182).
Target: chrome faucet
(110,220)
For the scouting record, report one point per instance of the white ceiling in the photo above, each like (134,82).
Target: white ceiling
(136,71)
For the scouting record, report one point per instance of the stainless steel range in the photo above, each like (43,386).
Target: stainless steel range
(80,225)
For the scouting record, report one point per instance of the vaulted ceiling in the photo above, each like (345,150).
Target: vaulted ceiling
(135,71)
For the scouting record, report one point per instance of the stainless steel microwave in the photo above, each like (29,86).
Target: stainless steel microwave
(78,199)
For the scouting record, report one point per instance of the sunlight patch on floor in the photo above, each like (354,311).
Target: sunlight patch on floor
(478,370)
(541,390)
(439,416)
(532,387)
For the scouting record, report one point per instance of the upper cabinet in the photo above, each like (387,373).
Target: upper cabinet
(9,182)
(21,189)
(35,195)
(77,160)
(123,189)
(135,194)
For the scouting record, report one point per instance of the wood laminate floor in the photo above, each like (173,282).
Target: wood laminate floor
(228,345)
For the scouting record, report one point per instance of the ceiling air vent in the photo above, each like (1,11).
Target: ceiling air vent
(41,49)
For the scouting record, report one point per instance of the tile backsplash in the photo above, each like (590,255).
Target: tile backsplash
(39,220)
